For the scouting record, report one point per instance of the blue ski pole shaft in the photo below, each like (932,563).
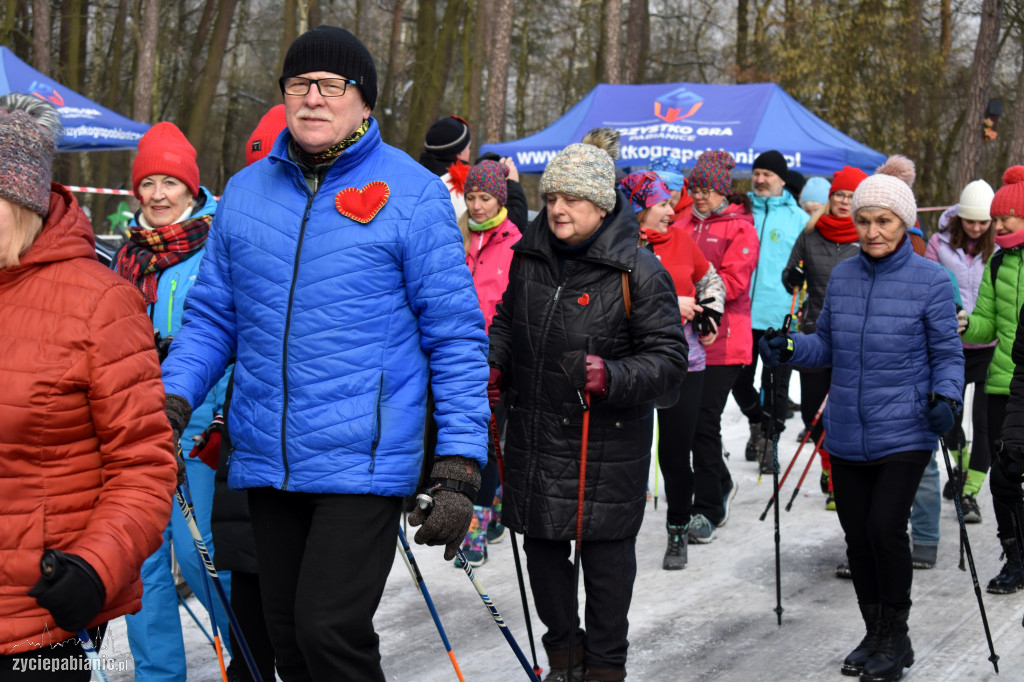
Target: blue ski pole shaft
(92,655)
(417,577)
(197,538)
(196,620)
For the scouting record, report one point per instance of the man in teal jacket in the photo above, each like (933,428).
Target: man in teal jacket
(778,220)
(335,274)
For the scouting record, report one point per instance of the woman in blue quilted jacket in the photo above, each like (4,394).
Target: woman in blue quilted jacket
(887,405)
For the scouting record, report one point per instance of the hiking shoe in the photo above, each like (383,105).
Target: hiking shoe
(826,474)
(756,442)
(496,532)
(675,554)
(843,571)
(791,408)
(830,502)
(767,461)
(969,506)
(800,436)
(701,531)
(727,499)
(1011,578)
(475,557)
(923,556)
(562,675)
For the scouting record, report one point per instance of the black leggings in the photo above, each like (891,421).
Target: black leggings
(873,502)
(676,426)
(1007,499)
(710,474)
(976,362)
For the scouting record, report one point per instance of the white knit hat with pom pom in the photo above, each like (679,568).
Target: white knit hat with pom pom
(889,188)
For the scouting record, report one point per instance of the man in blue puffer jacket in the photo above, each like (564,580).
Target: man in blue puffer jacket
(335,273)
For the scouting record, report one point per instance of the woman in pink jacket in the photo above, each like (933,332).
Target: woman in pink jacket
(488,236)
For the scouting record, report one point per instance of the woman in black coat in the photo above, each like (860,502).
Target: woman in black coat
(583,286)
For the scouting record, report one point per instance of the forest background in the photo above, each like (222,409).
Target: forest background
(902,76)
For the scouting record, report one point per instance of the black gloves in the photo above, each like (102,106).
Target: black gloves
(454,482)
(941,414)
(775,347)
(1011,459)
(708,320)
(179,412)
(70,590)
(795,277)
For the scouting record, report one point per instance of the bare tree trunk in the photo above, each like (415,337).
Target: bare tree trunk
(199,108)
(315,15)
(523,70)
(195,62)
(41,36)
(289,33)
(146,37)
(612,40)
(476,81)
(946,31)
(72,43)
(638,40)
(742,33)
(1016,152)
(497,70)
(387,98)
(978,85)
(914,23)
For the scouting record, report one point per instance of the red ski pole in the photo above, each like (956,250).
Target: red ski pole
(817,446)
(782,481)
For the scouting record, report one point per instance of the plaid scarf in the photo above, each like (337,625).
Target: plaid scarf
(313,160)
(150,251)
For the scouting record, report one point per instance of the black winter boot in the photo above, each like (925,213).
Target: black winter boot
(893,652)
(755,445)
(854,663)
(1011,578)
(675,554)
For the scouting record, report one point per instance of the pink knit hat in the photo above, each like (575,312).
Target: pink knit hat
(889,188)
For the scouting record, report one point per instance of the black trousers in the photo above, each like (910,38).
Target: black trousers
(1007,500)
(324,560)
(247,603)
(753,403)
(676,427)
(52,663)
(976,362)
(814,386)
(710,474)
(873,502)
(609,568)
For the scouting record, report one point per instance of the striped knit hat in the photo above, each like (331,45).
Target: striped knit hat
(490,177)
(713,171)
(29,128)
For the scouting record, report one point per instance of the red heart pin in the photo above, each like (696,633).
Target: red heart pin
(584,299)
(363,204)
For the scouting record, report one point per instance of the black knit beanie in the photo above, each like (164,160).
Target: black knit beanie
(447,137)
(772,161)
(329,48)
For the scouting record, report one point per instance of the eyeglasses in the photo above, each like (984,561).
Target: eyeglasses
(842,196)
(327,87)
(704,193)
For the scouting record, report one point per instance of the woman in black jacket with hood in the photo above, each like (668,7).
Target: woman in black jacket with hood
(583,286)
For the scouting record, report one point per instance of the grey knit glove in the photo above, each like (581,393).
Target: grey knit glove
(454,482)
(179,412)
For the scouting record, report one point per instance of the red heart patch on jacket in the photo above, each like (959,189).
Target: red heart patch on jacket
(363,204)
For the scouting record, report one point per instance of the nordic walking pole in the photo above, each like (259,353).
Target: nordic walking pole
(970,557)
(774,436)
(47,566)
(185,503)
(815,451)
(209,598)
(425,502)
(515,547)
(414,569)
(196,621)
(960,492)
(574,606)
(807,435)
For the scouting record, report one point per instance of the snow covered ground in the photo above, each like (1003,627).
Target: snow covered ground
(715,620)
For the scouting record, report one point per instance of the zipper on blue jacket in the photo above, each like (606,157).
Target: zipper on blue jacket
(377,426)
(860,387)
(170,302)
(287,328)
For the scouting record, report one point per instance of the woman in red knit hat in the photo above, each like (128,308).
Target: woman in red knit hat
(995,316)
(829,239)
(166,243)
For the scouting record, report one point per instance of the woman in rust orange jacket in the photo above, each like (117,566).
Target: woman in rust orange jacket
(86,467)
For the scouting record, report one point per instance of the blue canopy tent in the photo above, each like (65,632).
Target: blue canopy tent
(686,119)
(87,125)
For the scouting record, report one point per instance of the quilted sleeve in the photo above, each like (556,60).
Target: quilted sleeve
(945,352)
(739,260)
(441,293)
(500,334)
(982,326)
(205,344)
(126,399)
(815,350)
(659,358)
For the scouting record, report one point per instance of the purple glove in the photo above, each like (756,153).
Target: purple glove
(597,377)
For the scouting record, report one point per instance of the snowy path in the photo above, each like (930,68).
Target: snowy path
(714,620)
